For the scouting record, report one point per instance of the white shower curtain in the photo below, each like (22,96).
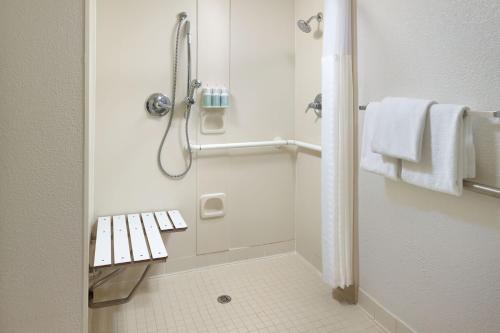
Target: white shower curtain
(337,145)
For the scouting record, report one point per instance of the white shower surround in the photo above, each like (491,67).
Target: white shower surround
(337,145)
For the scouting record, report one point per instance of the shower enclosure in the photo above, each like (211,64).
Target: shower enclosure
(238,203)
(150,124)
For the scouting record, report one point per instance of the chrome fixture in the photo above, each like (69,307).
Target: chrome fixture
(316,106)
(195,84)
(100,281)
(159,105)
(305,26)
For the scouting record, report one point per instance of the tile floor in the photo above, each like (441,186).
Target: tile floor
(275,294)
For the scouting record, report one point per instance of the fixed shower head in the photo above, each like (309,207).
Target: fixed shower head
(305,26)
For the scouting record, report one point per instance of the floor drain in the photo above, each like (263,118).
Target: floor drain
(224,299)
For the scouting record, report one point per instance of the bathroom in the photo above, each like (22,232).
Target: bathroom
(253,178)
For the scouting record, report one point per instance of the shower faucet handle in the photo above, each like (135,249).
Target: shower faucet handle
(316,105)
(158,104)
(310,106)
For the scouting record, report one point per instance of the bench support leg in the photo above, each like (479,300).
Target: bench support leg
(116,301)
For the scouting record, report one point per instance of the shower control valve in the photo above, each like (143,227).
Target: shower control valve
(158,104)
(316,106)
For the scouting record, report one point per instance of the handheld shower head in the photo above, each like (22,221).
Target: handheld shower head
(305,26)
(182,16)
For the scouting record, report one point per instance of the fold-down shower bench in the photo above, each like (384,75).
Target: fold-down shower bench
(125,240)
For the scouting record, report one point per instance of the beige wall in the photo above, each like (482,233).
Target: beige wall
(308,49)
(41,163)
(429,258)
(134,60)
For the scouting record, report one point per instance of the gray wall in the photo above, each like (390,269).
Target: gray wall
(41,165)
(432,259)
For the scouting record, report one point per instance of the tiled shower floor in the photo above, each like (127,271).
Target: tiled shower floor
(274,294)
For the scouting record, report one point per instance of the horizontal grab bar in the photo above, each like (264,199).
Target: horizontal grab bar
(470,185)
(256,144)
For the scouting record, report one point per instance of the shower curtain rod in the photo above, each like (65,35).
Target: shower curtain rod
(469,184)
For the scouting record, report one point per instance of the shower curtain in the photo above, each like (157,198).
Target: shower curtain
(337,145)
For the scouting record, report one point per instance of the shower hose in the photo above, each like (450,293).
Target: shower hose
(171,116)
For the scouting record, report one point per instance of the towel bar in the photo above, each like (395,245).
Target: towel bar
(469,184)
(494,114)
(483,189)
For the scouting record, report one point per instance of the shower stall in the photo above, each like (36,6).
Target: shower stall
(238,203)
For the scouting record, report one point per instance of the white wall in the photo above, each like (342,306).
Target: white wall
(308,49)
(41,163)
(134,59)
(431,259)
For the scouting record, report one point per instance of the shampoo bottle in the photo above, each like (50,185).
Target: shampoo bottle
(224,97)
(207,97)
(216,97)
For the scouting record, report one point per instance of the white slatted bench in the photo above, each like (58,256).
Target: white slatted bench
(123,240)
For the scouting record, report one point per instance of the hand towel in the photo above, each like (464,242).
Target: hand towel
(399,128)
(371,161)
(448,154)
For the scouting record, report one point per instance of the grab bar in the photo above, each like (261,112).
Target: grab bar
(254,144)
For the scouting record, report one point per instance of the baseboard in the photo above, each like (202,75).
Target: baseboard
(232,255)
(383,317)
(174,265)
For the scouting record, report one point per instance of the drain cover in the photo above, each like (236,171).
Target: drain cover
(223,299)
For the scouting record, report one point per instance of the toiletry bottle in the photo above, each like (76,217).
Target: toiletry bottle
(207,97)
(216,97)
(224,97)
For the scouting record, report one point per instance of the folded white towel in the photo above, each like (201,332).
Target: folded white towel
(448,154)
(374,162)
(399,128)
